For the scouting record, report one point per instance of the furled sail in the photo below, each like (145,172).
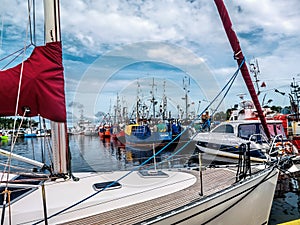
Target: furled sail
(238,54)
(42,85)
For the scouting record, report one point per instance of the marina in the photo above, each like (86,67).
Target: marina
(146,165)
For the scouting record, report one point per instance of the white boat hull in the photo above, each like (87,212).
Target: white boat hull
(67,201)
(247,203)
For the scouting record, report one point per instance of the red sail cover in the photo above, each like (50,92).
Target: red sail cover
(42,87)
(238,54)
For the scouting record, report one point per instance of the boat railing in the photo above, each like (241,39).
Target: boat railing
(244,162)
(274,150)
(243,167)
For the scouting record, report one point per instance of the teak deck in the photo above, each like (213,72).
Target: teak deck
(140,212)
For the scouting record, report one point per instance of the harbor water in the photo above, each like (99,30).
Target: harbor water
(89,153)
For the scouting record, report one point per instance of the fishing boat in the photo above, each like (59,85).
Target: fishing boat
(52,194)
(291,118)
(105,127)
(147,135)
(83,127)
(104,131)
(30,132)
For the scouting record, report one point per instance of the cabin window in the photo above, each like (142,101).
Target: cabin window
(275,129)
(225,128)
(246,130)
(271,130)
(262,131)
(280,130)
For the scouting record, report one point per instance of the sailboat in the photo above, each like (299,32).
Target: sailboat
(52,194)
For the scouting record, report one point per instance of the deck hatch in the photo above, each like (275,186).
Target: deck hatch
(108,185)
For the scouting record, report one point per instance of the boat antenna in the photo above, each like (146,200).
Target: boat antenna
(1,31)
(294,97)
(164,104)
(186,87)
(153,100)
(254,69)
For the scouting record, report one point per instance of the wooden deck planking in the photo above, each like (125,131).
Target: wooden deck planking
(141,211)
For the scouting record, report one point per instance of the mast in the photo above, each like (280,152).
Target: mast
(58,129)
(186,91)
(238,55)
(294,98)
(164,102)
(153,101)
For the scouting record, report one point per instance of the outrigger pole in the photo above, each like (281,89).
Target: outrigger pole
(238,55)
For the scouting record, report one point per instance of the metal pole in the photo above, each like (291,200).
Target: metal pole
(200,173)
(154,156)
(44,204)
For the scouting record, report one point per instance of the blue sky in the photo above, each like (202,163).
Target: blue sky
(108,45)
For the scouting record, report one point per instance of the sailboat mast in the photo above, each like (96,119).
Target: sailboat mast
(52,21)
(58,129)
(238,54)
(164,102)
(153,99)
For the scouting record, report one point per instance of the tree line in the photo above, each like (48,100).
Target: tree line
(8,123)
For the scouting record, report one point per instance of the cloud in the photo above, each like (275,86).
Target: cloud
(171,54)
(267,30)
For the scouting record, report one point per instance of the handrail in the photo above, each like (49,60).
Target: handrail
(272,146)
(271,143)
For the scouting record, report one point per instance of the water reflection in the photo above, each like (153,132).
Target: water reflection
(95,153)
(286,204)
(89,153)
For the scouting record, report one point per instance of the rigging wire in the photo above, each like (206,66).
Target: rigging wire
(31,6)
(230,82)
(1,31)
(14,138)
(6,192)
(31,25)
(139,166)
(20,51)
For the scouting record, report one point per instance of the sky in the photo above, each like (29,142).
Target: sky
(156,47)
